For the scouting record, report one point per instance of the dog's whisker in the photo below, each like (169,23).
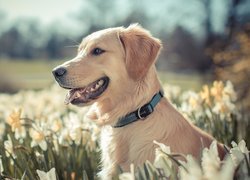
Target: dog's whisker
(72,46)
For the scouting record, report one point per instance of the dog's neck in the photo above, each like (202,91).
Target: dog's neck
(141,92)
(141,113)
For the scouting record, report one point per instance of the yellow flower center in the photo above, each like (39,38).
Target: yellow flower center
(37,136)
(14,120)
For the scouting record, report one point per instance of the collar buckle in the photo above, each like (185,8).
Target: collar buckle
(144,111)
(140,113)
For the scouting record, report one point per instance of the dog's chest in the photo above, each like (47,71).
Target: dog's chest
(124,149)
(114,148)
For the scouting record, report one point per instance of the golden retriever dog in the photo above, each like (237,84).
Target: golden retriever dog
(114,71)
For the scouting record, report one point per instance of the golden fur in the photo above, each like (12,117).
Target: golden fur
(129,62)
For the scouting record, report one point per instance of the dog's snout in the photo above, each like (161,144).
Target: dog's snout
(59,72)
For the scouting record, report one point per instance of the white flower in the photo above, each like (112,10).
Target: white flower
(229,91)
(76,135)
(171,92)
(162,161)
(38,139)
(224,96)
(227,170)
(9,148)
(224,108)
(64,137)
(86,137)
(2,130)
(238,151)
(74,126)
(56,125)
(210,161)
(163,147)
(20,133)
(15,121)
(241,146)
(211,167)
(50,175)
(1,165)
(193,170)
(191,104)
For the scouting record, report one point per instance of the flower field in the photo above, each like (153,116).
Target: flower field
(41,138)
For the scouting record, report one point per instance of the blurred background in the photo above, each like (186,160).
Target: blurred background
(203,40)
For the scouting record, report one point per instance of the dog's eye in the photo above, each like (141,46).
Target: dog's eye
(97,51)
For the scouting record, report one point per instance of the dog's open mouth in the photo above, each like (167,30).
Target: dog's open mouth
(88,93)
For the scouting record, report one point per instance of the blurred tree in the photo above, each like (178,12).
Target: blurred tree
(231,57)
(162,18)
(53,46)
(21,40)
(10,43)
(230,52)
(183,52)
(33,40)
(232,63)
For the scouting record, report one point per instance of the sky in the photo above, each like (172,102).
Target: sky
(163,15)
(46,10)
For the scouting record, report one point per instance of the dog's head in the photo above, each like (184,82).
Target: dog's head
(107,64)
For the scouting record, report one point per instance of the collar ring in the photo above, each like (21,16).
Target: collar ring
(139,113)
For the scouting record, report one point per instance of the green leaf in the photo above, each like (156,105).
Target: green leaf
(85,176)
(147,172)
(23,176)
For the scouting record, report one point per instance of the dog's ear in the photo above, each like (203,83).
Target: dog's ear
(141,50)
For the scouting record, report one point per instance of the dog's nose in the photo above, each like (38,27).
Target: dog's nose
(59,72)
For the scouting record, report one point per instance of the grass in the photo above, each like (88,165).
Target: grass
(192,81)
(24,74)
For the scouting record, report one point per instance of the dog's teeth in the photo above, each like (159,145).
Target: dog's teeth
(100,82)
(92,89)
(83,89)
(77,95)
(97,86)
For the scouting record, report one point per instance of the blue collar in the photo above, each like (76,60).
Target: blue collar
(140,113)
